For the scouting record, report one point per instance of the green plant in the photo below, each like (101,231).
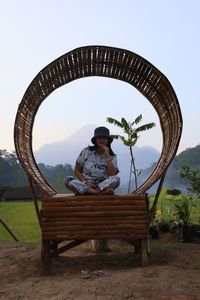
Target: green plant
(174,192)
(130,140)
(182,210)
(193,179)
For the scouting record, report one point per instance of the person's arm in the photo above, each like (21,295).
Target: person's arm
(78,172)
(80,164)
(111,169)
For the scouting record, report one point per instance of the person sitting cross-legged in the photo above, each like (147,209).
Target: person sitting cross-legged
(96,167)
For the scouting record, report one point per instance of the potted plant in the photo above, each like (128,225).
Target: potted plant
(163,226)
(184,208)
(154,231)
(163,213)
(182,211)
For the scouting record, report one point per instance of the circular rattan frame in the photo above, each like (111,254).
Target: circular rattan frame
(106,62)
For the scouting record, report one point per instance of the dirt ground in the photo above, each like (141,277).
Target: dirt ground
(173,272)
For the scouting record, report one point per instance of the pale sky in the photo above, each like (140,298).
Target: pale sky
(33,33)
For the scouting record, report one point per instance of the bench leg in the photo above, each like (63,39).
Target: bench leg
(100,246)
(137,248)
(54,247)
(46,257)
(148,246)
(143,252)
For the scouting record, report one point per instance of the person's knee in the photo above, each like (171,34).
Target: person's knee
(68,180)
(116,179)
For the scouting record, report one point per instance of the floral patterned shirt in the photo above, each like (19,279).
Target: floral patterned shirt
(94,166)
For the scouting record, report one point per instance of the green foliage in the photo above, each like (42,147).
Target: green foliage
(174,192)
(164,209)
(167,212)
(11,172)
(192,178)
(130,139)
(13,175)
(163,193)
(55,175)
(131,133)
(182,210)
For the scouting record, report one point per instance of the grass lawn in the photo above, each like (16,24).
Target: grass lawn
(22,220)
(165,207)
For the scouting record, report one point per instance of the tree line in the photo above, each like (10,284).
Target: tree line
(13,175)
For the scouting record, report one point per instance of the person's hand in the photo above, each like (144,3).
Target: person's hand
(106,150)
(91,183)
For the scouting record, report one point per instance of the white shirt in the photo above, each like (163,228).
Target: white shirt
(94,165)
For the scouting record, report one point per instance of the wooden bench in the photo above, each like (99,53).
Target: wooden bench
(81,218)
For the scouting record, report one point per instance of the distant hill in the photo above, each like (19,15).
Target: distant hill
(189,157)
(12,175)
(67,150)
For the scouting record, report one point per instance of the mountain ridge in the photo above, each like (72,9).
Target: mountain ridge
(188,157)
(67,150)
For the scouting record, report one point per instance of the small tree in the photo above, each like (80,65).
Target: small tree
(183,208)
(130,140)
(193,179)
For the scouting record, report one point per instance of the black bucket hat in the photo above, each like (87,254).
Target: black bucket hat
(102,132)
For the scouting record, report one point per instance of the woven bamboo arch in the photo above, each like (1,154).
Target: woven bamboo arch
(106,62)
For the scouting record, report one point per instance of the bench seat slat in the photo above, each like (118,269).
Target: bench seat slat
(94,208)
(93,222)
(102,236)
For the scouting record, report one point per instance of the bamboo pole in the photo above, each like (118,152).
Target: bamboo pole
(35,202)
(68,246)
(153,209)
(8,229)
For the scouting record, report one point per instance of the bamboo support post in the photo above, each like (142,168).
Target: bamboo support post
(8,229)
(35,201)
(153,209)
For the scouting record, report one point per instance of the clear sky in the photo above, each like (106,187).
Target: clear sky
(35,32)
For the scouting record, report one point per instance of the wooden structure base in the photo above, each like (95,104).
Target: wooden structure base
(77,219)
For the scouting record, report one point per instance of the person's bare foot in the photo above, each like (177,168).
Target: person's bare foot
(108,192)
(92,191)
